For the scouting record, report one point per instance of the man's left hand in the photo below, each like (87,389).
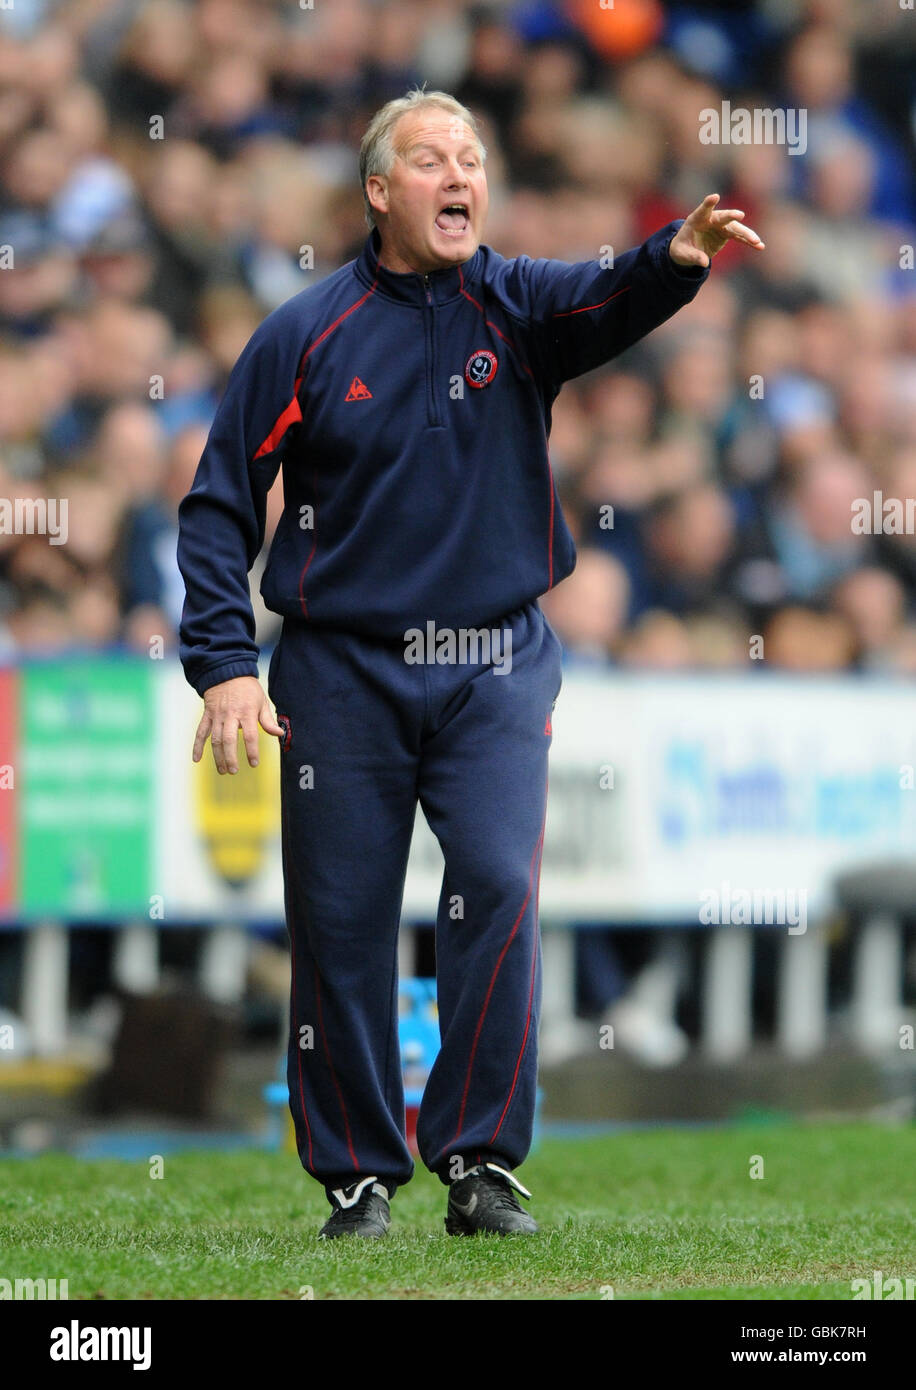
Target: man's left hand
(706,231)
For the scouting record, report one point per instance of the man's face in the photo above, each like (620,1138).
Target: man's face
(438,163)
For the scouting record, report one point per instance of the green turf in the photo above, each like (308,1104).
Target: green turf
(668,1213)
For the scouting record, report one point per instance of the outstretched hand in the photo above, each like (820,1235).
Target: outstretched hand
(706,231)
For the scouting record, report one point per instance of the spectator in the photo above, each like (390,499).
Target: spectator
(172,171)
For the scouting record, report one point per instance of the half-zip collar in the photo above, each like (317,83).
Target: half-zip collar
(410,287)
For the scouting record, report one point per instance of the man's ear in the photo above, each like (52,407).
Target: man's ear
(377,192)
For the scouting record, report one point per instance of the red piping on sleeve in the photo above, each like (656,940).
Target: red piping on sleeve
(311,555)
(565,313)
(292,413)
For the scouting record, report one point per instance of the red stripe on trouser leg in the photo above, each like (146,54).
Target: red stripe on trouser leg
(327,1053)
(534,961)
(295,1019)
(492,985)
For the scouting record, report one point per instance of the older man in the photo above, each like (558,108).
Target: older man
(407,397)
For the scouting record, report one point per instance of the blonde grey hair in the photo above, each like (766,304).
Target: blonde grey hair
(377,153)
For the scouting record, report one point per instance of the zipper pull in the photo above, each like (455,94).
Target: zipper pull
(429,297)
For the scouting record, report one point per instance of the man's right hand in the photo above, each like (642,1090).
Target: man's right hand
(232,705)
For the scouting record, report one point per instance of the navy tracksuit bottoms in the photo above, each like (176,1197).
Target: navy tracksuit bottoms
(368,734)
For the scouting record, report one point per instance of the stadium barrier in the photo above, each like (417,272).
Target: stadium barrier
(724,805)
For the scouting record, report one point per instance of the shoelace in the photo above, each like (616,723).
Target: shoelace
(501,1182)
(502,1194)
(351,1216)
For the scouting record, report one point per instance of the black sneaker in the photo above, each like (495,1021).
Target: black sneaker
(359,1210)
(484,1200)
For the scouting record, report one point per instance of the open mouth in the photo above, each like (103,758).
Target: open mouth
(453,219)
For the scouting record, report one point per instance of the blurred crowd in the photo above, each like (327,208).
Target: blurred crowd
(171,172)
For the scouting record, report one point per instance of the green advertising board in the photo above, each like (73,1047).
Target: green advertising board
(86,787)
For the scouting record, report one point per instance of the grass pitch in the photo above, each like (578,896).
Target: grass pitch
(658,1214)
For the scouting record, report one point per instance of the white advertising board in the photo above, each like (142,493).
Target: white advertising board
(662,789)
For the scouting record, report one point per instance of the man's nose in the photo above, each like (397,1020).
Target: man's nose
(456,174)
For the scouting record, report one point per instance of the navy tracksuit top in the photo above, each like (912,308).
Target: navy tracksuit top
(411,415)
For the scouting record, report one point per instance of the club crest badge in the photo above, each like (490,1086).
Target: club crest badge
(481,368)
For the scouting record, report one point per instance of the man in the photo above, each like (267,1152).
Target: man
(408,397)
